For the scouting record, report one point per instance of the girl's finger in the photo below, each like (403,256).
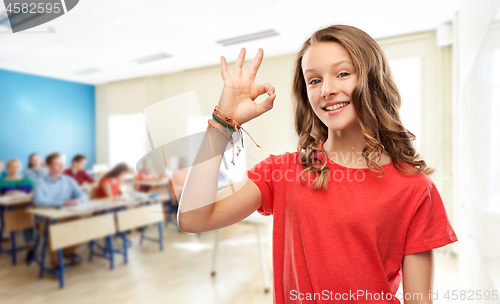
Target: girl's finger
(238,66)
(254,67)
(265,87)
(266,105)
(223,68)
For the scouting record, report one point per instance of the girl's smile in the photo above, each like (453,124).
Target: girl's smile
(335,107)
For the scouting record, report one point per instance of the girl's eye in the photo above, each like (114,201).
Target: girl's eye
(312,81)
(346,74)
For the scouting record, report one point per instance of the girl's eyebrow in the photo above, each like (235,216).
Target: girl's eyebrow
(333,65)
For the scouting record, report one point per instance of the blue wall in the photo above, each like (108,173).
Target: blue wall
(45,115)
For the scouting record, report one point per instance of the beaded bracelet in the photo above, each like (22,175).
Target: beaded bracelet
(232,124)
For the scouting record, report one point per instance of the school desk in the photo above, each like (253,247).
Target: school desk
(13,217)
(90,224)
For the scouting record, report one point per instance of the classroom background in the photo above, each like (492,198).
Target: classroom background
(85,83)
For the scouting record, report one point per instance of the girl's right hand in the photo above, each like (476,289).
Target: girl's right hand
(239,92)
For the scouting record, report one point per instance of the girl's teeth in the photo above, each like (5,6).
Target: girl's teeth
(336,106)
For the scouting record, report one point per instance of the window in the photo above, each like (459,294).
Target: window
(126,132)
(406,72)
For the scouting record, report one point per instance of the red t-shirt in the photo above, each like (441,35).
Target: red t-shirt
(115,187)
(347,242)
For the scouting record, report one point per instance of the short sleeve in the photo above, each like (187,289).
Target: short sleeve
(430,227)
(261,174)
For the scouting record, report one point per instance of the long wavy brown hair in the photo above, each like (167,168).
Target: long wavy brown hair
(375,98)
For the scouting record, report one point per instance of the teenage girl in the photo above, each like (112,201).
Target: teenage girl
(36,168)
(110,184)
(354,210)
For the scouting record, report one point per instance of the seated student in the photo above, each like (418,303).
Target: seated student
(109,185)
(3,173)
(35,168)
(15,184)
(56,190)
(77,170)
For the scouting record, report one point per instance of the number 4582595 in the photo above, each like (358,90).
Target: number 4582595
(33,8)
(471,294)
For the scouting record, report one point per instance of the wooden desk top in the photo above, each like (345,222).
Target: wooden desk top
(100,205)
(15,200)
(153,183)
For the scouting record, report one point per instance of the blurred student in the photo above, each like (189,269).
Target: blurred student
(3,173)
(77,170)
(15,184)
(36,168)
(57,190)
(110,183)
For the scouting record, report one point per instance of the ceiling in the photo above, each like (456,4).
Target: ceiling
(105,37)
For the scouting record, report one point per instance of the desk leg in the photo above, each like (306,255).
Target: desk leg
(91,250)
(60,260)
(125,247)
(216,248)
(111,252)
(160,230)
(37,240)
(13,247)
(262,260)
(61,268)
(44,247)
(142,235)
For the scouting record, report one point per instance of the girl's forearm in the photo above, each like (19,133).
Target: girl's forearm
(200,189)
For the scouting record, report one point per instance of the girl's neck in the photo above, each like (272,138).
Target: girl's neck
(347,141)
(346,147)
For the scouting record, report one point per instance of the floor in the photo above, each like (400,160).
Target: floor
(179,274)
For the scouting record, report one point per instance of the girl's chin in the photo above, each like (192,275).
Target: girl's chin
(337,125)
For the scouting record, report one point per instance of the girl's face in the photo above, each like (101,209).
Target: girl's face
(330,78)
(13,168)
(36,160)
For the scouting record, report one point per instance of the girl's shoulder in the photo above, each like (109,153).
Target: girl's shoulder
(412,179)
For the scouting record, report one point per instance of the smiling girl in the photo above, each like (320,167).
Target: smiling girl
(354,210)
